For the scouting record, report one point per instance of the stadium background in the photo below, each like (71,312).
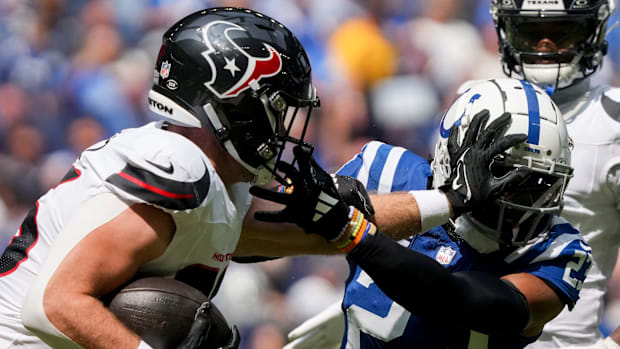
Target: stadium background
(73,72)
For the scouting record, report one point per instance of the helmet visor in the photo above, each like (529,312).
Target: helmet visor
(542,37)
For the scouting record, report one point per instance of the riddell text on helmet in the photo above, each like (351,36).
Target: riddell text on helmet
(161,106)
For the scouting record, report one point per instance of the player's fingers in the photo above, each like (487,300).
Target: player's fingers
(271,216)
(270,195)
(303,155)
(495,129)
(477,123)
(453,142)
(511,179)
(289,171)
(505,143)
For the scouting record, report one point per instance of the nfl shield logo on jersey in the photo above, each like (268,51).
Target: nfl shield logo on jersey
(165,69)
(445,255)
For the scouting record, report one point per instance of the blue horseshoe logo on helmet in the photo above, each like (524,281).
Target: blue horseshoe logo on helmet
(445,132)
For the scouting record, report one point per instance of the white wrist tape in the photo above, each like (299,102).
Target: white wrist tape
(433,206)
(144,345)
(610,343)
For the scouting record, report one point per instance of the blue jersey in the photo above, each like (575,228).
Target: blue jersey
(561,258)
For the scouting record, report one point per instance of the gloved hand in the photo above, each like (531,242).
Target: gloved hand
(353,193)
(312,201)
(324,330)
(210,331)
(472,184)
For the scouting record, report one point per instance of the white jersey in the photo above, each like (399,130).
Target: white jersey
(141,165)
(592,203)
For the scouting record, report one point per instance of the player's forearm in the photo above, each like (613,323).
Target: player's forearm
(87,322)
(478,301)
(278,240)
(396,214)
(400,215)
(282,244)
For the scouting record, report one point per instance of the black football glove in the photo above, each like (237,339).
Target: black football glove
(313,203)
(471,183)
(210,331)
(353,193)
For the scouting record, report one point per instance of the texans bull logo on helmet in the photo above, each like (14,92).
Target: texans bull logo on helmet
(234,68)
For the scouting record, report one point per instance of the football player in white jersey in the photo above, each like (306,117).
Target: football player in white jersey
(495,277)
(558,45)
(164,199)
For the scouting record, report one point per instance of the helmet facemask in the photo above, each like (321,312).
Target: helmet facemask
(522,212)
(263,144)
(553,48)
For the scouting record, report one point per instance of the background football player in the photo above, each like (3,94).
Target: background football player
(558,46)
(164,199)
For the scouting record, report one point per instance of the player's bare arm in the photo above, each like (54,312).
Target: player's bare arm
(102,261)
(544,303)
(396,213)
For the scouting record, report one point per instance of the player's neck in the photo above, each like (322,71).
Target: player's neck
(572,93)
(229,170)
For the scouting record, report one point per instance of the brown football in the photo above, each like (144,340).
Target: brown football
(158,309)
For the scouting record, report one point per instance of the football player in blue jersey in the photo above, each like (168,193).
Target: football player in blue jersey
(492,277)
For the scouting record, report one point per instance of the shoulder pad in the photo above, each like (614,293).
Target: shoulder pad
(385,168)
(164,169)
(610,100)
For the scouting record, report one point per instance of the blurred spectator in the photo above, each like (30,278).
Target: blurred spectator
(84,132)
(25,143)
(75,71)
(405,108)
(450,44)
(266,336)
(364,62)
(13,108)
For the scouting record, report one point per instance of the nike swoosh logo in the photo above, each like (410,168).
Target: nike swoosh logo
(168,169)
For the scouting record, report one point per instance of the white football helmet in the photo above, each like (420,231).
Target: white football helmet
(515,218)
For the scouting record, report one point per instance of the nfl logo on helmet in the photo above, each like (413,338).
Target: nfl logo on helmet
(165,69)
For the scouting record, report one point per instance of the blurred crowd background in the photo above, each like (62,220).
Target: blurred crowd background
(73,72)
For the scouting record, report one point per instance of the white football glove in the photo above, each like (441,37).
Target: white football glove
(606,343)
(324,330)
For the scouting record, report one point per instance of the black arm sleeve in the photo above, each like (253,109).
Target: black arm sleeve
(475,300)
(253,259)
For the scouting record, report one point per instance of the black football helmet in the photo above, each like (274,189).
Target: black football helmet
(552,43)
(240,73)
